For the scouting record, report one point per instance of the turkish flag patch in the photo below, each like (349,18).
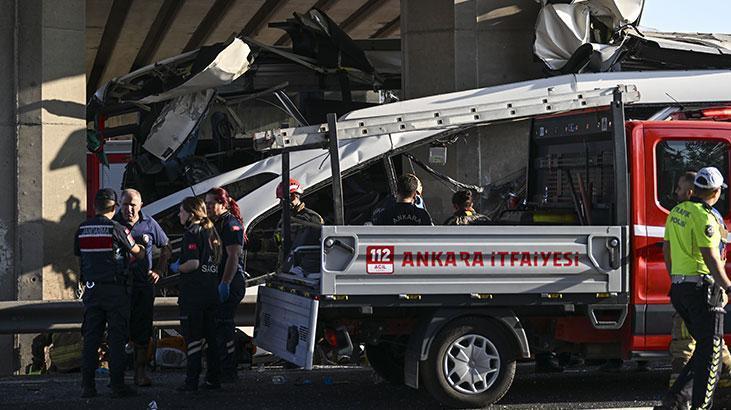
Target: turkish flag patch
(192,246)
(235,228)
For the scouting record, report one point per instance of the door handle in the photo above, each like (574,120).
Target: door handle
(612,245)
(613,248)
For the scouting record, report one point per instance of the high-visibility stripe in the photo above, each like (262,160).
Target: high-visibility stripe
(195,343)
(193,351)
(650,231)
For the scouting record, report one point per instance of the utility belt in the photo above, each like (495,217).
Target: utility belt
(117,280)
(697,279)
(713,292)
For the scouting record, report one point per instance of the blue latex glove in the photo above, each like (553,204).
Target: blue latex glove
(223,291)
(175,267)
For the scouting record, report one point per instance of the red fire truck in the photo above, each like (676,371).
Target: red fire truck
(576,264)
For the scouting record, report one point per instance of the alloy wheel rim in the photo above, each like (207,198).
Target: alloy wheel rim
(471,364)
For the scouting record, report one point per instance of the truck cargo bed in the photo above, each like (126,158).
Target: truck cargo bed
(471,260)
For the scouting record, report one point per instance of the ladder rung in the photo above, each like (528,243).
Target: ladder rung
(443,119)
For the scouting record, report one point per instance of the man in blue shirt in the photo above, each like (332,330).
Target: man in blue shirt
(144,229)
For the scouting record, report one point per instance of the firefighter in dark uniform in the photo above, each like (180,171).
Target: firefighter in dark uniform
(232,285)
(198,300)
(147,231)
(403,210)
(699,288)
(104,247)
(304,230)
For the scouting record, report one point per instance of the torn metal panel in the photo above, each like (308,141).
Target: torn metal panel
(601,35)
(176,122)
(208,67)
(562,28)
(226,67)
(655,50)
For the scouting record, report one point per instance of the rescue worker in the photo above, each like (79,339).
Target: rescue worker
(144,229)
(403,211)
(103,247)
(304,230)
(200,252)
(232,285)
(699,288)
(464,214)
(682,344)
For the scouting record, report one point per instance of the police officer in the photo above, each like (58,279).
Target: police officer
(103,247)
(699,288)
(232,286)
(403,210)
(304,229)
(145,230)
(200,252)
(464,214)
(682,344)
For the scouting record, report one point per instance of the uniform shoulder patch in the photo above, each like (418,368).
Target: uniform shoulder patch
(235,228)
(709,230)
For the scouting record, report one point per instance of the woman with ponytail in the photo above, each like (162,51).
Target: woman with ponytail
(231,287)
(200,252)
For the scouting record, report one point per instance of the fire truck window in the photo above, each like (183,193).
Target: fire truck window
(571,176)
(676,157)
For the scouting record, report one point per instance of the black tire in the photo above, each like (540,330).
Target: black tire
(387,360)
(492,335)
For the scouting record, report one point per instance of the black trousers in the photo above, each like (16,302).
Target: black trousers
(225,326)
(199,329)
(697,381)
(105,306)
(140,319)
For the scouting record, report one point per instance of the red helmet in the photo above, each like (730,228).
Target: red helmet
(294,188)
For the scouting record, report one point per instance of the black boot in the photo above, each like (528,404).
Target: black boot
(88,385)
(672,403)
(88,392)
(122,390)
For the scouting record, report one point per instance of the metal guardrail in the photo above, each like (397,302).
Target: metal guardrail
(62,315)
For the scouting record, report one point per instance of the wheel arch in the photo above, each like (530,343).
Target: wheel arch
(426,330)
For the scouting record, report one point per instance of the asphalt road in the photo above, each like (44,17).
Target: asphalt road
(341,388)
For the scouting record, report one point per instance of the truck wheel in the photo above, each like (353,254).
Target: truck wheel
(387,360)
(471,363)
